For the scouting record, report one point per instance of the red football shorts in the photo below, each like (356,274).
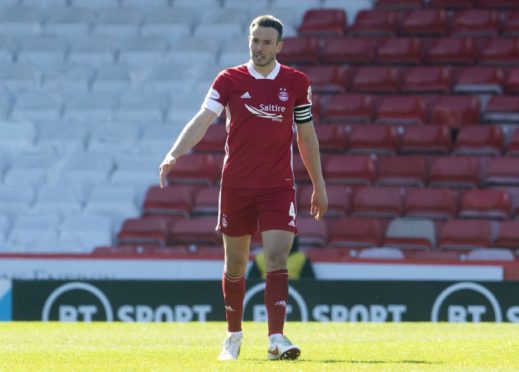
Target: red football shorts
(242,210)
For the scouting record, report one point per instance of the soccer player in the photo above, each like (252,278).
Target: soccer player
(265,103)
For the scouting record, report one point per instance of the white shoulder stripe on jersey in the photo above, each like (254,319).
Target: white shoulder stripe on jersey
(213,105)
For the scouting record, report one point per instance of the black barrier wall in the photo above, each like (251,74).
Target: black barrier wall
(323,301)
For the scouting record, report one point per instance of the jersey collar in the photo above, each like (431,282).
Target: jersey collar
(257,75)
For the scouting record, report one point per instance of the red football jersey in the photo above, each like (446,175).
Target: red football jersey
(261,112)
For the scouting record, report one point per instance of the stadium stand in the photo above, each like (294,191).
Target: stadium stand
(416,109)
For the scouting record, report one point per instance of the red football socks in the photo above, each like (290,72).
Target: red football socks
(233,294)
(276,297)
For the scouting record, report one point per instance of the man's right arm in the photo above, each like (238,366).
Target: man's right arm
(192,133)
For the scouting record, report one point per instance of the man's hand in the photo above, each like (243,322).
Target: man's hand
(319,202)
(166,165)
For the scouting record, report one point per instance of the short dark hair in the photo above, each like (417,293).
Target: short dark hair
(268,21)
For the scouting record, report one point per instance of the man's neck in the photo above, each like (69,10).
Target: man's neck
(264,70)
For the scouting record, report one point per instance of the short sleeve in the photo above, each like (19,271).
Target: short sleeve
(218,94)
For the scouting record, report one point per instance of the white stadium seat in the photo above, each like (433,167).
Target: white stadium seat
(83,232)
(115,78)
(5,103)
(116,201)
(34,233)
(168,77)
(16,199)
(93,50)
(90,107)
(61,138)
(32,168)
(145,5)
(21,20)
(233,54)
(43,4)
(253,7)
(197,51)
(68,77)
(41,49)
(16,136)
(69,22)
(142,107)
(83,170)
(198,4)
(143,50)
(156,139)
(19,76)
(7,49)
(95,4)
(37,105)
(113,138)
(173,24)
(136,170)
(121,22)
(59,199)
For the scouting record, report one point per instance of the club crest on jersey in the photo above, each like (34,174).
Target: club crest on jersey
(283,95)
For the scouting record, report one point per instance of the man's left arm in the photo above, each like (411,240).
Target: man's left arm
(309,151)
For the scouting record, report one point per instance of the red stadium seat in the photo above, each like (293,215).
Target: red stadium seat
(147,230)
(513,144)
(379,79)
(426,139)
(502,171)
(456,111)
(486,204)
(213,140)
(206,201)
(323,22)
(194,169)
(411,234)
(465,235)
(377,202)
(502,109)
(348,50)
(375,23)
(500,51)
(402,110)
(354,232)
(399,4)
(197,231)
(427,80)
(349,108)
(312,233)
(476,23)
(479,80)
(425,22)
(507,235)
(349,170)
(498,4)
(451,51)
(435,204)
(512,81)
(302,50)
(372,139)
(339,200)
(511,24)
(171,200)
(332,137)
(400,51)
(452,4)
(401,171)
(458,172)
(482,140)
(327,79)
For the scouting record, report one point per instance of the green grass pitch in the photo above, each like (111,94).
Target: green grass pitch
(38,346)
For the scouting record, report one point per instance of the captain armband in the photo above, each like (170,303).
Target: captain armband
(303,114)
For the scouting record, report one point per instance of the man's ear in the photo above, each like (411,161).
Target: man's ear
(279,46)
